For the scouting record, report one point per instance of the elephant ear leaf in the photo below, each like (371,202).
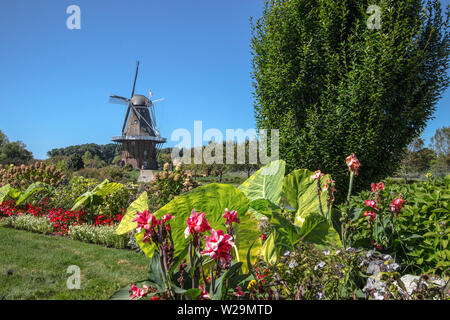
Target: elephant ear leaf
(5,192)
(300,192)
(30,191)
(138,205)
(96,195)
(213,199)
(266,183)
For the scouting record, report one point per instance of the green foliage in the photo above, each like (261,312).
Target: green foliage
(93,151)
(32,223)
(139,205)
(168,184)
(266,183)
(332,86)
(98,234)
(96,196)
(213,199)
(307,273)
(418,238)
(75,162)
(13,152)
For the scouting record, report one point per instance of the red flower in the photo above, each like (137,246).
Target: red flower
(238,292)
(370,214)
(230,216)
(204,295)
(219,245)
(196,223)
(263,237)
(145,220)
(137,292)
(397,204)
(352,163)
(166,218)
(371,203)
(317,175)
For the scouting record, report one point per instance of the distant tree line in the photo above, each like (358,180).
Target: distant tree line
(13,152)
(107,152)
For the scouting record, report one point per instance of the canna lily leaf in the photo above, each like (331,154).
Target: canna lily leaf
(31,190)
(95,196)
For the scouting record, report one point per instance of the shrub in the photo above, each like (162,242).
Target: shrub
(99,235)
(418,236)
(23,176)
(168,184)
(32,223)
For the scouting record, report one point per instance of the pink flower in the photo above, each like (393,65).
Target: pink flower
(370,214)
(238,292)
(371,203)
(145,220)
(263,237)
(317,175)
(204,295)
(218,245)
(166,218)
(196,223)
(352,163)
(230,216)
(397,204)
(378,186)
(137,292)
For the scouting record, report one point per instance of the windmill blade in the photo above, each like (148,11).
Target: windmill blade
(158,100)
(135,77)
(118,100)
(126,118)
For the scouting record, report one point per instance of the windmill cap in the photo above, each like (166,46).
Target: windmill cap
(140,100)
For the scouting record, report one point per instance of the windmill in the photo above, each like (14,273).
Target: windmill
(140,137)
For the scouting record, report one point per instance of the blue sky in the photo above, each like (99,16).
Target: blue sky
(55,82)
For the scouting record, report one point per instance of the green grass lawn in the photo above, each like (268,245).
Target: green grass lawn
(39,264)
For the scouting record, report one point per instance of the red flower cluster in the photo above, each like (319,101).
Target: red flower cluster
(218,245)
(107,220)
(63,219)
(376,187)
(397,205)
(196,223)
(231,216)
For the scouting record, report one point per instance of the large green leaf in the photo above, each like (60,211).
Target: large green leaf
(138,205)
(317,230)
(96,195)
(301,193)
(266,183)
(212,199)
(30,191)
(4,192)
(269,252)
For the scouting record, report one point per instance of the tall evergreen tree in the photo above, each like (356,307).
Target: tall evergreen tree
(334,83)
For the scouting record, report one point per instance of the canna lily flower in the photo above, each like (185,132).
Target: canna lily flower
(204,295)
(230,216)
(218,245)
(238,292)
(352,163)
(317,175)
(145,220)
(397,204)
(371,203)
(166,218)
(137,292)
(196,223)
(370,214)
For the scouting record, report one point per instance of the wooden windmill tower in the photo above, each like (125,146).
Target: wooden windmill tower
(140,137)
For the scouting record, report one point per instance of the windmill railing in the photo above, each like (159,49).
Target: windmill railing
(139,138)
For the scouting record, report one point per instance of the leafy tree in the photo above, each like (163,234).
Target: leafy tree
(105,152)
(15,153)
(440,142)
(3,139)
(333,86)
(75,162)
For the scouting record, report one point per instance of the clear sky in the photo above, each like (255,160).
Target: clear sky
(55,82)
